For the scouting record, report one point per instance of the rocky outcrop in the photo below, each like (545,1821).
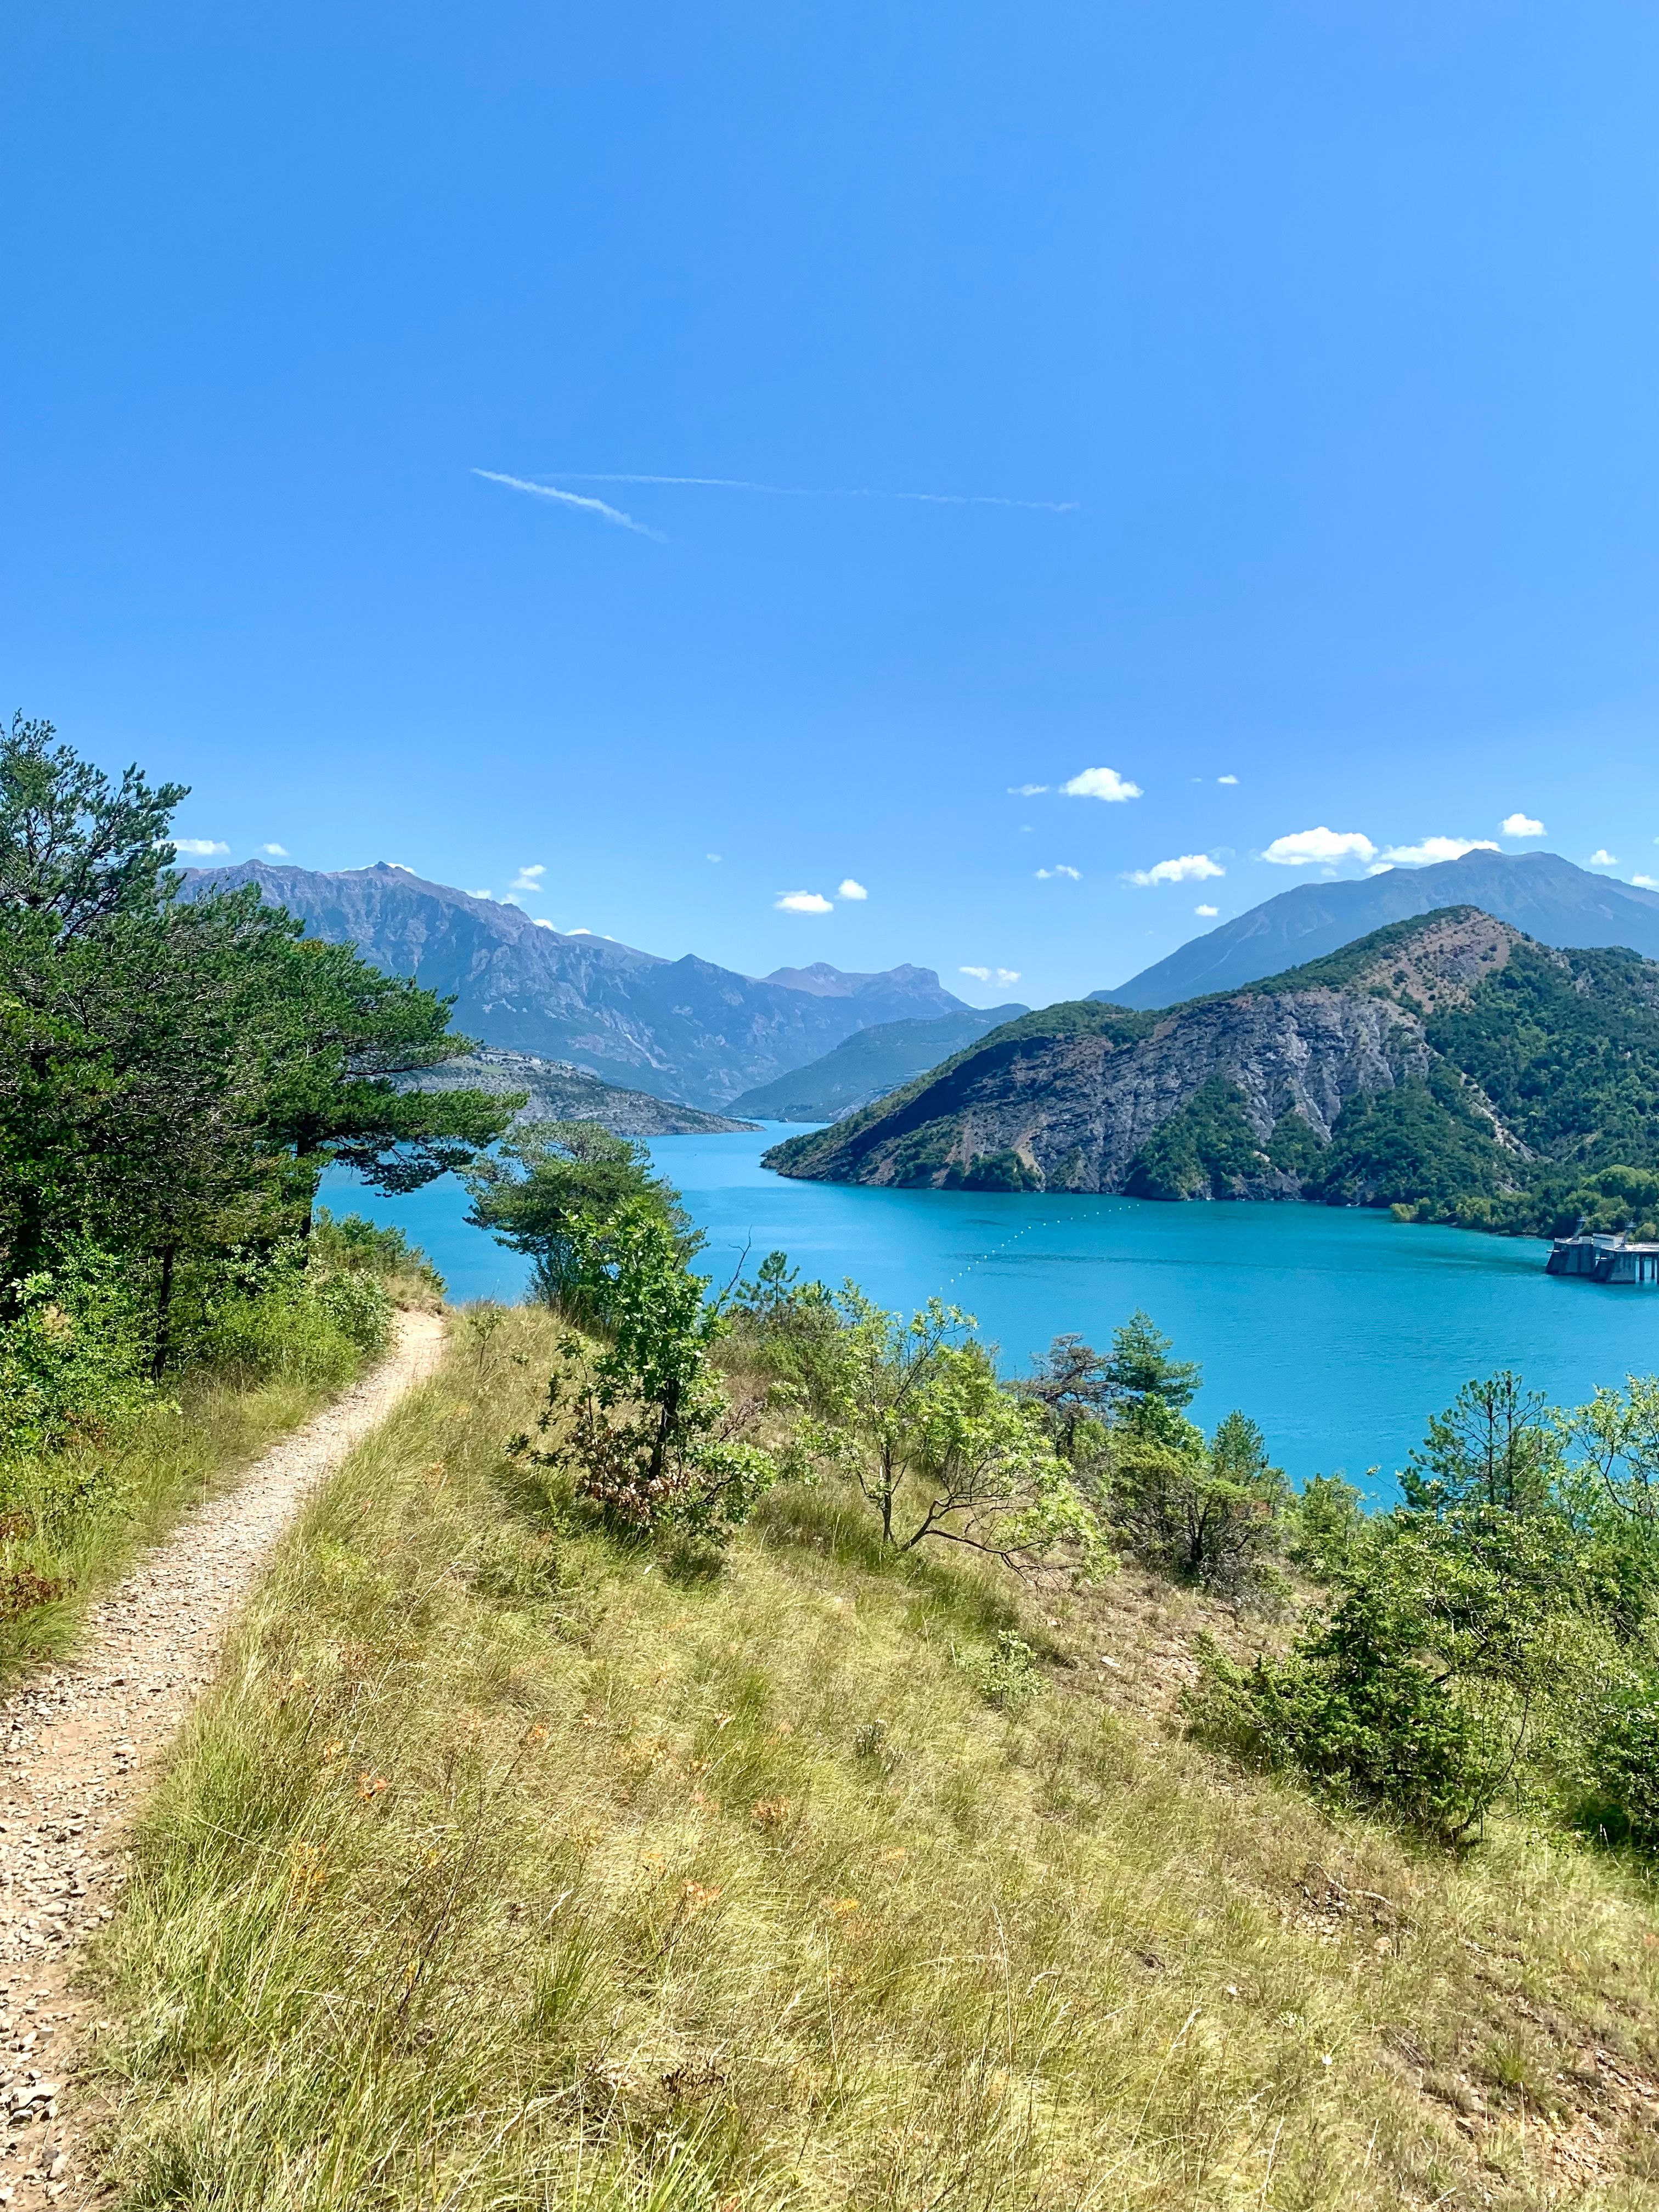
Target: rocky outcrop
(1078,1110)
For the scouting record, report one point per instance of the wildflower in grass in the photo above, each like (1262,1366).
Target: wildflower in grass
(308,1873)
(370,1786)
(332,1749)
(770,1812)
(695,1896)
(534,1735)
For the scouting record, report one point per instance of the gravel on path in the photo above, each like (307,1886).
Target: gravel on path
(79,1745)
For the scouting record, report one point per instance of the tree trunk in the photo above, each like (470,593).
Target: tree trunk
(163,1313)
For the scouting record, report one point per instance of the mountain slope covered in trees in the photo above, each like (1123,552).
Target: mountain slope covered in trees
(1448,1064)
(685,1030)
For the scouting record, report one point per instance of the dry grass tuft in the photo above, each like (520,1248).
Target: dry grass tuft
(508,1868)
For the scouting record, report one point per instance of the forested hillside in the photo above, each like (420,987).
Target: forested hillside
(1447,1065)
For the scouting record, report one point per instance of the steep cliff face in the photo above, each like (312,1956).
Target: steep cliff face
(1073,1098)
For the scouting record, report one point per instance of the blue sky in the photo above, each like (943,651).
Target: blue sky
(1313,346)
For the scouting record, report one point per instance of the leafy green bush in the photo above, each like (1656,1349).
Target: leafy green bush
(73,1356)
(1327,1527)
(643,1424)
(299,1326)
(348,1243)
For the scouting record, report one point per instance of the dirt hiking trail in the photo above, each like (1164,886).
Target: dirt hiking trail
(79,1745)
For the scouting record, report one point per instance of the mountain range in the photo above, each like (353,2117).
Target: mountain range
(1450,1066)
(683,1030)
(1541,893)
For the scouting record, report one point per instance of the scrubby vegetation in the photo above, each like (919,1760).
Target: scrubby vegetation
(522,1859)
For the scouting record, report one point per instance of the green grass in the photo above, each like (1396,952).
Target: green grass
(507,1868)
(74,1518)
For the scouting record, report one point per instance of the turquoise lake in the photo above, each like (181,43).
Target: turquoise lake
(1339,1331)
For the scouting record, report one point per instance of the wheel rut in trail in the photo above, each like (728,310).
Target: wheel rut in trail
(80,1741)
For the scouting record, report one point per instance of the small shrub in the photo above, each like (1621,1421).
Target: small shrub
(1007,1675)
(347,1243)
(1327,1527)
(299,1328)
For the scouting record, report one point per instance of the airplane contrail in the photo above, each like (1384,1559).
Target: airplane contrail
(811,491)
(571,499)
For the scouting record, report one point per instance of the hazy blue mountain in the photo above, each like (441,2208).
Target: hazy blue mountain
(1541,893)
(867,1064)
(683,1030)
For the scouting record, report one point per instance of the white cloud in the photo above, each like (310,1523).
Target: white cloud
(802,903)
(1101,783)
(1602,858)
(711,856)
(276,852)
(1209,912)
(402,867)
(1521,826)
(1430,849)
(1646,883)
(529,877)
(1025,790)
(1059,868)
(1189,868)
(541,922)
(490,896)
(1227,779)
(991,975)
(571,499)
(1305,848)
(849,890)
(201,849)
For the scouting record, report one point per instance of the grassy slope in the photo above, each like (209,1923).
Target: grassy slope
(157,1463)
(74,1519)
(504,1869)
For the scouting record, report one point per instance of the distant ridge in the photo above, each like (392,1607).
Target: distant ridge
(1541,893)
(683,1030)
(867,1064)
